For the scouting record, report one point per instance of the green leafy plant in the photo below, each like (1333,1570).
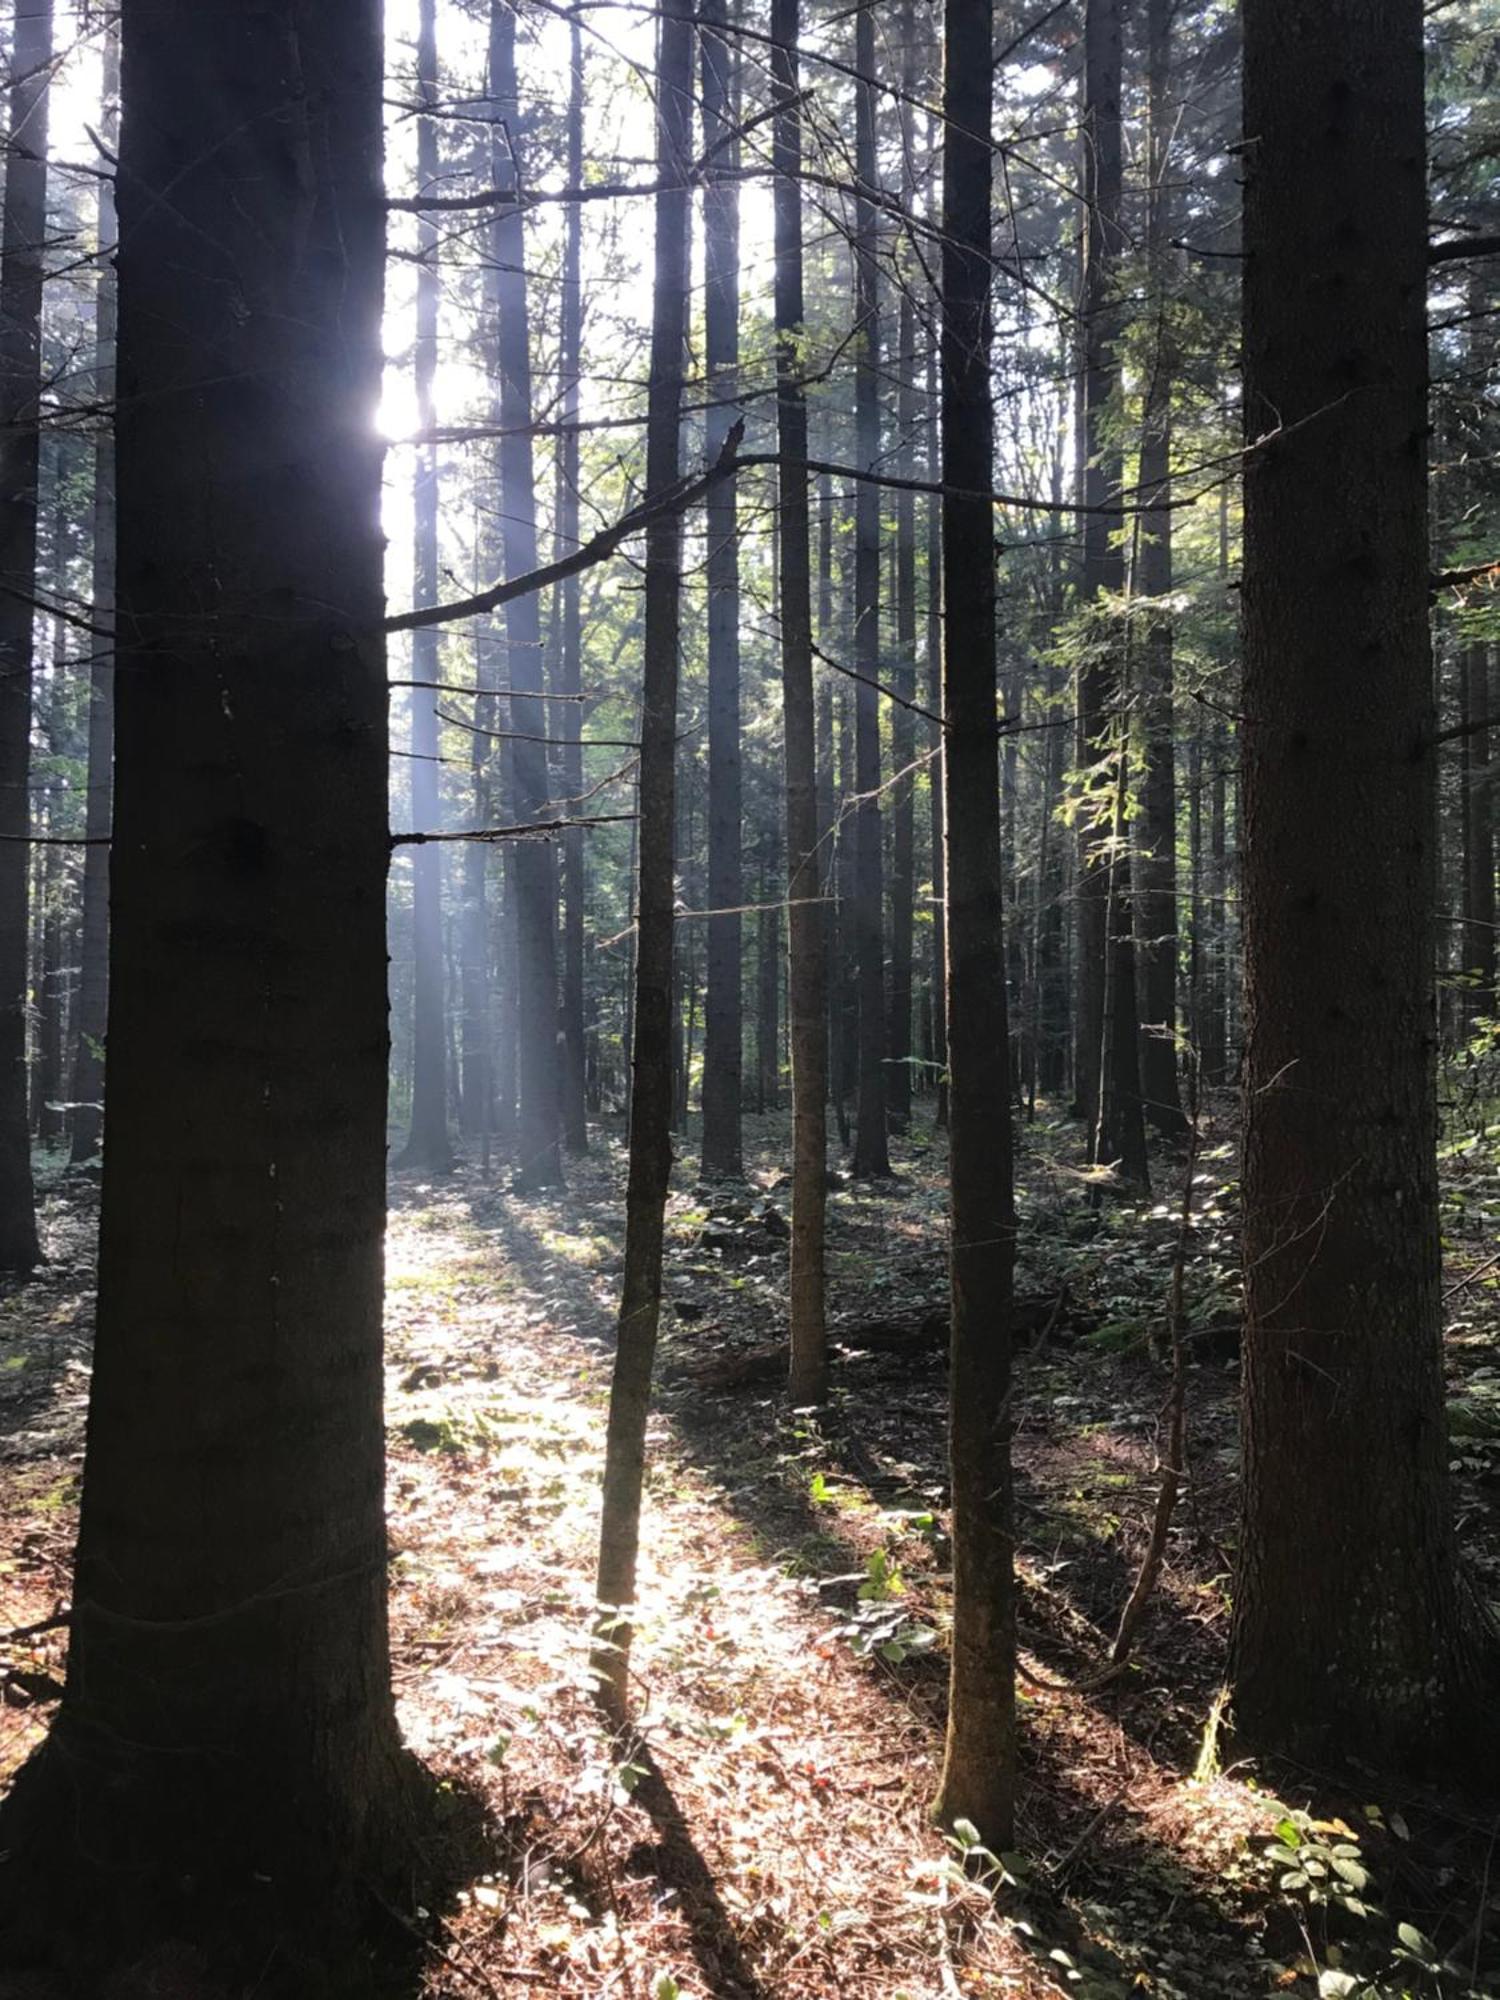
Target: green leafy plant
(1315,1870)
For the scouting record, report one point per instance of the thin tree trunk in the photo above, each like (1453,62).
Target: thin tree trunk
(651,1093)
(723,1030)
(534,869)
(476,1095)
(1120,1134)
(1156,903)
(575,1131)
(1479,847)
(228,1718)
(935,703)
(1103,573)
(904,667)
(844,1000)
(806,929)
(1051,944)
(871,1147)
(978,1780)
(1216,945)
(1354,1633)
(49,982)
(827,814)
(24,230)
(768,977)
(427,1145)
(93,980)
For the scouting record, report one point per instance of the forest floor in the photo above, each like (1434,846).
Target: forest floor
(767,1837)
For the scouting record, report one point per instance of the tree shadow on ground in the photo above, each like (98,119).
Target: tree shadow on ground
(675,1860)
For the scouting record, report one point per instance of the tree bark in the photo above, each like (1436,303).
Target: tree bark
(575,1131)
(427,1147)
(1479,849)
(1103,574)
(1354,1633)
(1156,902)
(21,238)
(651,1089)
(935,703)
(723,1031)
(224,1766)
(978,1780)
(534,868)
(806,929)
(904,666)
(93,978)
(871,1158)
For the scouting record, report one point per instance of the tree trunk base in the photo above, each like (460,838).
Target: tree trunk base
(104,1895)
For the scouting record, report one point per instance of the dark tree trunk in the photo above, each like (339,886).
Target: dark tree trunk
(827,821)
(534,866)
(935,703)
(805,924)
(225,1758)
(575,1129)
(1354,1633)
(93,977)
(723,1032)
(904,667)
(1049,966)
(1103,573)
(1120,1134)
(427,1145)
(477,1090)
(871,1158)
(1479,845)
(24,230)
(768,977)
(978,1781)
(844,1011)
(1156,901)
(503,962)
(1216,936)
(651,1090)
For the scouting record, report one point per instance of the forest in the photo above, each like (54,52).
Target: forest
(749,1027)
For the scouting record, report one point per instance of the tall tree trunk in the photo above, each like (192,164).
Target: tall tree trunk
(805,924)
(87,1090)
(978,1781)
(1479,847)
(1354,1633)
(723,1032)
(575,1129)
(651,1089)
(1051,942)
(827,813)
(1216,936)
(1120,1133)
(871,1147)
(24,230)
(935,703)
(904,667)
(1103,573)
(534,868)
(49,980)
(844,1012)
(427,1146)
(1156,901)
(477,1090)
(228,1719)
(768,976)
